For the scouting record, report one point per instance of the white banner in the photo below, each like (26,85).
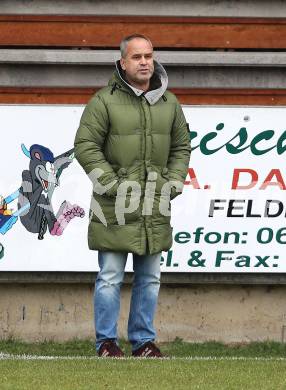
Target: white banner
(230,218)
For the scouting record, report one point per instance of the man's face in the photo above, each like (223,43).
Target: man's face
(138,62)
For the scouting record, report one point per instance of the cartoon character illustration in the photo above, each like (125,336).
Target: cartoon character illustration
(37,188)
(34,196)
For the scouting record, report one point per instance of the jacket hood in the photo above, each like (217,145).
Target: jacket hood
(159,77)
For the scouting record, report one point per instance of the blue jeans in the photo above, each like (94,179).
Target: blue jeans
(144,297)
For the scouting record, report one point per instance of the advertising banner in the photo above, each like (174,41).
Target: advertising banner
(230,217)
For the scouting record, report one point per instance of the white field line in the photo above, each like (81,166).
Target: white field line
(7,356)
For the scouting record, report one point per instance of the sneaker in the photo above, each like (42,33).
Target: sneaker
(148,349)
(109,348)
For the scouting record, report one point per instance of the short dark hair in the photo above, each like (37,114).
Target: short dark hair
(126,40)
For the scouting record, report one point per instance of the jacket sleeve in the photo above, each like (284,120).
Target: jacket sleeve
(180,151)
(89,143)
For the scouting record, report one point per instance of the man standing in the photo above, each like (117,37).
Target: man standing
(133,143)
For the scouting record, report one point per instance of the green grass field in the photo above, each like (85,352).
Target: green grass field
(74,365)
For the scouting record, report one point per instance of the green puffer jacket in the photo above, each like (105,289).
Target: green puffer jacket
(129,137)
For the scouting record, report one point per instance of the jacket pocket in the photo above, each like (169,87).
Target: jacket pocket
(163,178)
